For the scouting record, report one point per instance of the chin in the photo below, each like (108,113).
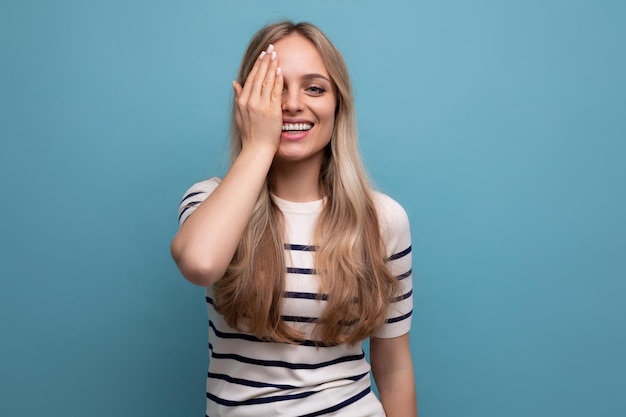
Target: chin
(291,157)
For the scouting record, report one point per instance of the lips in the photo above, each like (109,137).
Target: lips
(297,127)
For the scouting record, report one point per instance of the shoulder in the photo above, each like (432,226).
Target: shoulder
(391,214)
(195,195)
(394,224)
(385,203)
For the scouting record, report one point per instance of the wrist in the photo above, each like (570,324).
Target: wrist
(260,156)
(259,150)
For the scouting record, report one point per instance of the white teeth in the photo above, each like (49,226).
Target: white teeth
(296,126)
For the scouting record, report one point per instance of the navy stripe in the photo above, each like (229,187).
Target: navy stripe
(304,248)
(180,216)
(251,338)
(257,384)
(405,275)
(193,203)
(402,297)
(400,254)
(291,294)
(358,377)
(191,195)
(240,336)
(305,295)
(283,364)
(299,319)
(263,400)
(304,271)
(341,405)
(248,383)
(399,318)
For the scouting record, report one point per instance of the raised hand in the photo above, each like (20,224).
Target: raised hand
(258,112)
(206,242)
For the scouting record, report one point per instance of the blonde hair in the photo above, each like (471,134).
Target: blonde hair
(350,256)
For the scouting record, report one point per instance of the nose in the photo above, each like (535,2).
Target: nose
(291,102)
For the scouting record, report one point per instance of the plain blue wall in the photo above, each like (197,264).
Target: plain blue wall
(499,125)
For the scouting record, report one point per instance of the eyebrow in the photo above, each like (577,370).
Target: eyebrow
(314,75)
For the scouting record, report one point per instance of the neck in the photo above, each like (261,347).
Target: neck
(298,182)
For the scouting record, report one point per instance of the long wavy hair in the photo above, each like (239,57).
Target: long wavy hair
(350,255)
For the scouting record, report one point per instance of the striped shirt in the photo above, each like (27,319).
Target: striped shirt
(252,377)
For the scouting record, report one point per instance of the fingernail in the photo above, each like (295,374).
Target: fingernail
(273,56)
(270,48)
(262,55)
(278,71)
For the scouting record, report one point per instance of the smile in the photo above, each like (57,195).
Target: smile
(297,127)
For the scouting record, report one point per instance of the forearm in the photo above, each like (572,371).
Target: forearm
(392,369)
(206,242)
(397,394)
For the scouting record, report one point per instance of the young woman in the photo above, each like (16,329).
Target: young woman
(302,260)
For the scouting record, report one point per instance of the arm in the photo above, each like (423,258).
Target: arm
(207,240)
(392,368)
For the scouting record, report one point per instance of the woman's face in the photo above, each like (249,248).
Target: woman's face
(309,101)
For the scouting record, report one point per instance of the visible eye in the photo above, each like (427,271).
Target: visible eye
(315,90)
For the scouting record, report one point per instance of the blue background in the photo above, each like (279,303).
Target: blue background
(499,125)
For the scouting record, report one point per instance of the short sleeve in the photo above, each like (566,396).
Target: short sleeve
(194,196)
(396,232)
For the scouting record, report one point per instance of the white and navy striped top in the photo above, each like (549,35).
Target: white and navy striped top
(250,377)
